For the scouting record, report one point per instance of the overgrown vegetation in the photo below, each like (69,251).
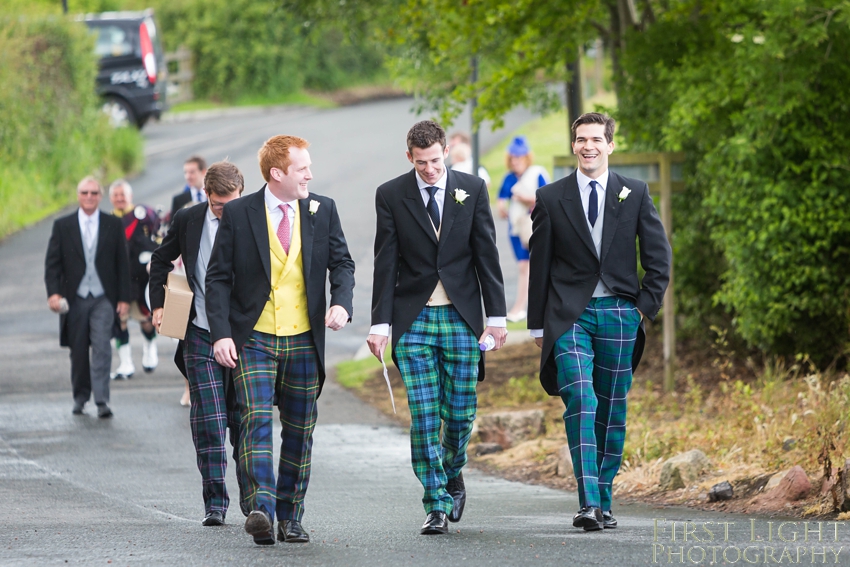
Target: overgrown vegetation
(52,132)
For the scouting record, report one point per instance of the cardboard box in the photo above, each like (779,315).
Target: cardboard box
(177,307)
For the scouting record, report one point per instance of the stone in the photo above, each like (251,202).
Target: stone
(510,427)
(487,449)
(721,491)
(842,489)
(774,481)
(789,444)
(684,468)
(793,486)
(565,462)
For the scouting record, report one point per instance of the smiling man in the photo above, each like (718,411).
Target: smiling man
(435,260)
(586,304)
(265,302)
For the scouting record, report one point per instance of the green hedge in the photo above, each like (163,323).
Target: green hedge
(52,132)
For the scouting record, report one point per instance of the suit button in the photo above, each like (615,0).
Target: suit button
(439,270)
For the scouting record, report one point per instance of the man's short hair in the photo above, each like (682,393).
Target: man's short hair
(197,160)
(275,153)
(460,152)
(223,178)
(89,179)
(461,136)
(425,134)
(128,190)
(595,118)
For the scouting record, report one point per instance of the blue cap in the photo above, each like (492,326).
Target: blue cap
(519,147)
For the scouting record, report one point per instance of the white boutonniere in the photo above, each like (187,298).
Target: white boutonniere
(624,193)
(460,196)
(314,206)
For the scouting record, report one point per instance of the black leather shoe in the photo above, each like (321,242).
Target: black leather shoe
(103,411)
(214,518)
(78,408)
(435,524)
(457,489)
(291,531)
(589,518)
(609,522)
(259,525)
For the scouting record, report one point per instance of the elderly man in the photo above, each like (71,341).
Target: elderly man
(88,281)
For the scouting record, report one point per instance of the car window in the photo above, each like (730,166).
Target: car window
(113,41)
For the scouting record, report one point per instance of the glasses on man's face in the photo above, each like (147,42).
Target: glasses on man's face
(216,206)
(87,193)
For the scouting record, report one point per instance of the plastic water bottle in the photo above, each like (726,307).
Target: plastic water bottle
(488,344)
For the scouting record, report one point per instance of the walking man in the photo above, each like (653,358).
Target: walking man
(586,304)
(435,260)
(193,192)
(213,407)
(265,299)
(88,282)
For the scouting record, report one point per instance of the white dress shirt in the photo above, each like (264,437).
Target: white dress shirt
(89,225)
(383,329)
(198,195)
(584,191)
(273,205)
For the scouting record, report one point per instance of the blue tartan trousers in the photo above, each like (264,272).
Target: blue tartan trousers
(594,362)
(210,416)
(438,361)
(286,369)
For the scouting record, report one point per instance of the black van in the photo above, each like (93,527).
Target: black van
(132,75)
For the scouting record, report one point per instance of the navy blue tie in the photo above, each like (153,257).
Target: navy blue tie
(432,207)
(593,204)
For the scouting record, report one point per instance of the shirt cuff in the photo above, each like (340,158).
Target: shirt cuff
(382,329)
(536,333)
(497,322)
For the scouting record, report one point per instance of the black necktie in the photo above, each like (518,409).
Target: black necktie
(593,204)
(432,207)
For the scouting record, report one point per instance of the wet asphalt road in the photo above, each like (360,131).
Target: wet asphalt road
(126,491)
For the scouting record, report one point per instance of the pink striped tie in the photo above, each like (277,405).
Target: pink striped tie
(283,228)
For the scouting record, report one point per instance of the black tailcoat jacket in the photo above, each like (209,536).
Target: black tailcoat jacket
(239,274)
(564,268)
(65,264)
(409,261)
(183,239)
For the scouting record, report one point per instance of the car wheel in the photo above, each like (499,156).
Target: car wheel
(119,112)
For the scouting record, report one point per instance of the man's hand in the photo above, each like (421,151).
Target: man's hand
(55,302)
(336,318)
(538,341)
(156,318)
(122,309)
(377,345)
(224,351)
(641,314)
(499,333)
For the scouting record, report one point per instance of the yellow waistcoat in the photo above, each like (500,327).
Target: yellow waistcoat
(285,313)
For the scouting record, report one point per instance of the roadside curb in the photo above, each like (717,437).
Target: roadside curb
(229,112)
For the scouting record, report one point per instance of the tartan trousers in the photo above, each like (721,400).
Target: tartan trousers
(594,362)
(210,417)
(286,369)
(438,360)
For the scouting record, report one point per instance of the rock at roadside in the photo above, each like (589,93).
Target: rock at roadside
(794,485)
(684,468)
(510,427)
(842,489)
(720,492)
(565,462)
(487,449)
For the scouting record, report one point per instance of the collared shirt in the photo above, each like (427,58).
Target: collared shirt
(84,220)
(273,205)
(198,194)
(211,223)
(439,196)
(383,329)
(584,190)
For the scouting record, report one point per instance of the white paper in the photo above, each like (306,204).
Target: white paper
(387,379)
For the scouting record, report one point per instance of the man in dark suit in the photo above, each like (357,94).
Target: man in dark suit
(266,303)
(194,170)
(88,280)
(586,304)
(435,260)
(213,410)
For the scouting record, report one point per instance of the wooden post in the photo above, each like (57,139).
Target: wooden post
(669,320)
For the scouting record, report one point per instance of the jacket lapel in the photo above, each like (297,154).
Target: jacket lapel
(612,213)
(571,203)
(450,210)
(101,234)
(260,227)
(307,221)
(413,201)
(194,230)
(76,236)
